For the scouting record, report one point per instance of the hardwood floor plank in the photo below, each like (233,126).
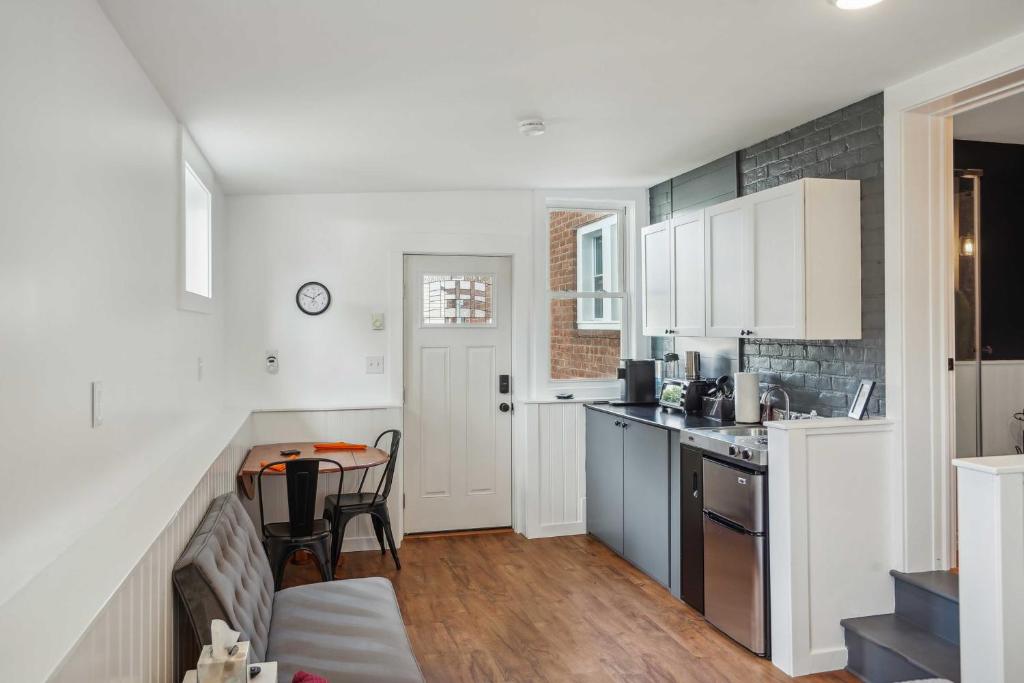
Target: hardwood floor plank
(497,607)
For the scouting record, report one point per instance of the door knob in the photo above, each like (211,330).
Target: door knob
(504,407)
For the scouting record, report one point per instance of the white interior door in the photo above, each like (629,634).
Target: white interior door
(458,440)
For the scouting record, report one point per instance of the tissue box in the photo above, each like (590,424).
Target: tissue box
(233,669)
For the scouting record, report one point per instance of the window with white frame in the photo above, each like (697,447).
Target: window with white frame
(198,236)
(585,277)
(597,271)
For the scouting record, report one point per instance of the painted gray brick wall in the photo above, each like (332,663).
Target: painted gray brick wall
(824,375)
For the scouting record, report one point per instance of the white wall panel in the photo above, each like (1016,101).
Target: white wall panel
(131,638)
(556,490)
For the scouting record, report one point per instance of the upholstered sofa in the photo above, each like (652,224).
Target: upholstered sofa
(349,630)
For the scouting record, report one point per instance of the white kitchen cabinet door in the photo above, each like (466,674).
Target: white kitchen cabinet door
(777,224)
(656,284)
(688,275)
(728,264)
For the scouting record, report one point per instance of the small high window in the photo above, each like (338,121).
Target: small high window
(198,236)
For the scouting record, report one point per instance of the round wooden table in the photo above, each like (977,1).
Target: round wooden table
(271,452)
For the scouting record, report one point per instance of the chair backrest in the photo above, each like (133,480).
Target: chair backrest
(302,477)
(223,573)
(384,485)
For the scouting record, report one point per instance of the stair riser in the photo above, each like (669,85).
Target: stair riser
(925,609)
(875,664)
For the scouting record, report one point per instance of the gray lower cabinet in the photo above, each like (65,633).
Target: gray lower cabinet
(604,478)
(628,480)
(645,499)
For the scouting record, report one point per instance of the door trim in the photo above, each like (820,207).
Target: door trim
(918,207)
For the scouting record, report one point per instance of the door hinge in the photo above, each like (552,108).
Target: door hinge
(949,364)
(403,501)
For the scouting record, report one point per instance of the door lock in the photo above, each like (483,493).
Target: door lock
(504,407)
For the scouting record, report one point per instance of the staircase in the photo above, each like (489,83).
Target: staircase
(920,641)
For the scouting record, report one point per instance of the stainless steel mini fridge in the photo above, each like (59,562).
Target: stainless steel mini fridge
(735,553)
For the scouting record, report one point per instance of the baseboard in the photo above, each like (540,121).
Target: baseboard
(552,530)
(364,543)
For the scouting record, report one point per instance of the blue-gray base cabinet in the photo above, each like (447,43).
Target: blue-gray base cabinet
(629,492)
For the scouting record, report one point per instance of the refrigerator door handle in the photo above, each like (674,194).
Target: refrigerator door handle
(729,524)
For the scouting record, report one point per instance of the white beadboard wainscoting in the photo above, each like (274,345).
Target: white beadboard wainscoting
(357,425)
(132,637)
(556,496)
(832,526)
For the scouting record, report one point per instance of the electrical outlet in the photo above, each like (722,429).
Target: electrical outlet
(97,404)
(375,365)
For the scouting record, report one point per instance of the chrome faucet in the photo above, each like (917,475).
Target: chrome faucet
(766,408)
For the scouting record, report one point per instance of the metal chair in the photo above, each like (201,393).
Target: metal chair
(302,531)
(340,509)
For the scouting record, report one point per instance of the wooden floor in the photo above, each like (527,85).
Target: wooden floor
(497,607)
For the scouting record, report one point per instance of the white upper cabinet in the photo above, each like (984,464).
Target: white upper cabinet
(688,317)
(673,277)
(794,252)
(727,259)
(780,264)
(656,288)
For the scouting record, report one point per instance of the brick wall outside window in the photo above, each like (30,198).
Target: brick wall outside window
(575,353)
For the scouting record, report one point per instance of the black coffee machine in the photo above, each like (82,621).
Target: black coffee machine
(636,382)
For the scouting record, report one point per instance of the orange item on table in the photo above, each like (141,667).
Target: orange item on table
(339,446)
(279,467)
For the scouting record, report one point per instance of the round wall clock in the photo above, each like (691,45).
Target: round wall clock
(313,298)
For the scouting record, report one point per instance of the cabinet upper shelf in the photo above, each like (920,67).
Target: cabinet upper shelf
(783,263)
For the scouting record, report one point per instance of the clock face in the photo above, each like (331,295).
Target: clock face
(313,298)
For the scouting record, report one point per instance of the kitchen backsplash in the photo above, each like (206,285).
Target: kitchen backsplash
(820,375)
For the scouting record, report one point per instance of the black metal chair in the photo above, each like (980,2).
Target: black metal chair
(302,531)
(341,509)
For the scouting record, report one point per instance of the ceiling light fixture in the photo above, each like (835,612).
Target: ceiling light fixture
(854,4)
(532,127)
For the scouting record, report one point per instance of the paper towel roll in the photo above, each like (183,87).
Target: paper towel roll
(748,404)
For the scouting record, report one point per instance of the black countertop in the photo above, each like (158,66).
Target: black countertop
(660,417)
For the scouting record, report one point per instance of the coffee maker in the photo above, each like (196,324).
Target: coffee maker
(636,382)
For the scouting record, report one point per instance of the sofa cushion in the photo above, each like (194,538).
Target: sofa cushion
(349,630)
(223,573)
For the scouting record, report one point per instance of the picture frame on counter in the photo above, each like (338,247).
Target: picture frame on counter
(859,407)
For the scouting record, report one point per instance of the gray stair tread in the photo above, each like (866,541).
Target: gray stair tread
(922,649)
(945,584)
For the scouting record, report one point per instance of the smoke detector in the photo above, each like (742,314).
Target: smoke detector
(532,127)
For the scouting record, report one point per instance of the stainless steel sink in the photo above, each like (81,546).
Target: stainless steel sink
(741,431)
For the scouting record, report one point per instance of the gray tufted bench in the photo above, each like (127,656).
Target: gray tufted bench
(349,630)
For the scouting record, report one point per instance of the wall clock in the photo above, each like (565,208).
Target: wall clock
(313,298)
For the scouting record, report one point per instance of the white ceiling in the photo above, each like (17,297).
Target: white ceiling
(366,95)
(1000,121)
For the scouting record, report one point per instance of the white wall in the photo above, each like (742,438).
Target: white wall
(89,211)
(353,244)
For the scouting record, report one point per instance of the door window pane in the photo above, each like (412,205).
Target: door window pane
(451,300)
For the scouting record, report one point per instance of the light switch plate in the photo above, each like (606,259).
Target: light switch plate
(377,321)
(375,365)
(97,404)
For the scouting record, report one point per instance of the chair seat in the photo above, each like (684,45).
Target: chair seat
(349,500)
(321,527)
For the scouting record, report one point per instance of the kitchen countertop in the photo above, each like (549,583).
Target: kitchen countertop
(659,417)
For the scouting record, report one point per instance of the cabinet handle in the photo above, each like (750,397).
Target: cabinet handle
(618,423)
(625,426)
(696,487)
